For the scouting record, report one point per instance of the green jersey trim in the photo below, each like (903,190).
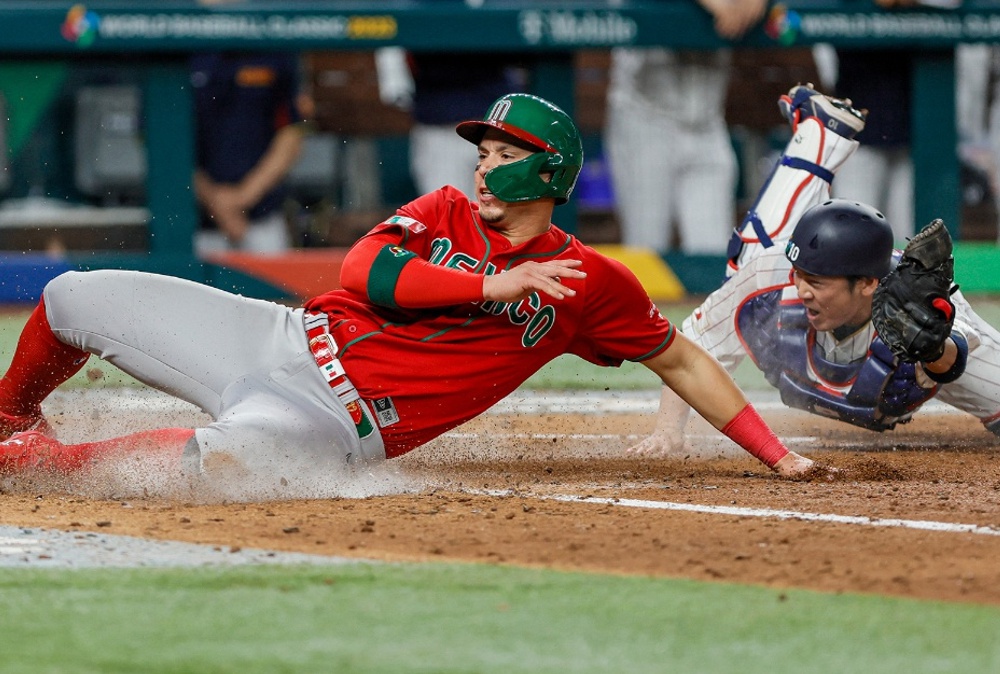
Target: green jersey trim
(665,343)
(384,275)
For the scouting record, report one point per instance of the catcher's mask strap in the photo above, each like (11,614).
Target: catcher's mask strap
(815,169)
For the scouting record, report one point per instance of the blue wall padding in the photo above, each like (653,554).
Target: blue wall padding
(24,275)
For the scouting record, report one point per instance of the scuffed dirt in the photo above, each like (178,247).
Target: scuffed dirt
(486,494)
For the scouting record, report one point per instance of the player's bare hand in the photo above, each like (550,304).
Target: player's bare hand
(733,18)
(227,208)
(523,280)
(659,445)
(797,467)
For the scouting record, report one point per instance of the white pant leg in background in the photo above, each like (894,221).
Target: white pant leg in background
(665,175)
(439,157)
(642,173)
(705,190)
(882,178)
(900,197)
(671,160)
(267,234)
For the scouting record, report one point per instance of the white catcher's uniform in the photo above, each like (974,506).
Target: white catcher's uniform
(245,362)
(757,313)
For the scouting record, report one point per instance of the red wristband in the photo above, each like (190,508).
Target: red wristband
(750,432)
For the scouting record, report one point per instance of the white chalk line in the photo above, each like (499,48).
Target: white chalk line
(594,436)
(923,525)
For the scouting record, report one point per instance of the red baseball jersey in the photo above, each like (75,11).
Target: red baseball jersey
(426,371)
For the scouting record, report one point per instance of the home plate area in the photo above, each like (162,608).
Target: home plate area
(544,480)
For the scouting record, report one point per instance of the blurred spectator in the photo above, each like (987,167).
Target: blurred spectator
(993,126)
(881,171)
(670,155)
(249,134)
(441,89)
(978,93)
(449,88)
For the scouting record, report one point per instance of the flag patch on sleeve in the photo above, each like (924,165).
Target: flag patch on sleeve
(414,226)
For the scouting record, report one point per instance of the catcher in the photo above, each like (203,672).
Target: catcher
(840,323)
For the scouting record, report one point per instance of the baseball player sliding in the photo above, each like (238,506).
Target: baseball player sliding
(837,321)
(446,308)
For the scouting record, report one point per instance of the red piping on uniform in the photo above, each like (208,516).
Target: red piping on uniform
(798,190)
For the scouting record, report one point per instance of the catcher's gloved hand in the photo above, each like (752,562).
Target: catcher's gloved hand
(911,309)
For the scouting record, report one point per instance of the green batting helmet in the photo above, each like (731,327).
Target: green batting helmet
(541,125)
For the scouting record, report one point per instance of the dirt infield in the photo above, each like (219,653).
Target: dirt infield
(506,489)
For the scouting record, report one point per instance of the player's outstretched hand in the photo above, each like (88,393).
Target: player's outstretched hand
(659,445)
(797,467)
(523,280)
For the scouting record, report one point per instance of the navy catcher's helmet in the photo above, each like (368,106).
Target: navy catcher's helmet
(840,237)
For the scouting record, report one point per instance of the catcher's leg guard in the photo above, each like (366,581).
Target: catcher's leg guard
(802,102)
(801,178)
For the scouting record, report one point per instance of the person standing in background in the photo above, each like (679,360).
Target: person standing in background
(977,100)
(669,151)
(448,88)
(249,134)
(881,171)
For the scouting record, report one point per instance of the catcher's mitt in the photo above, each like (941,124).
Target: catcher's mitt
(911,309)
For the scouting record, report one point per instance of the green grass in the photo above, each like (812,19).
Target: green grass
(466,618)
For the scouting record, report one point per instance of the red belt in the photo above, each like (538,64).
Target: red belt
(324,349)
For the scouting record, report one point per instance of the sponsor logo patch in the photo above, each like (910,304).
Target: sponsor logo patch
(385,412)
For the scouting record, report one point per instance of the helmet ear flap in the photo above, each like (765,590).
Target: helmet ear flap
(564,175)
